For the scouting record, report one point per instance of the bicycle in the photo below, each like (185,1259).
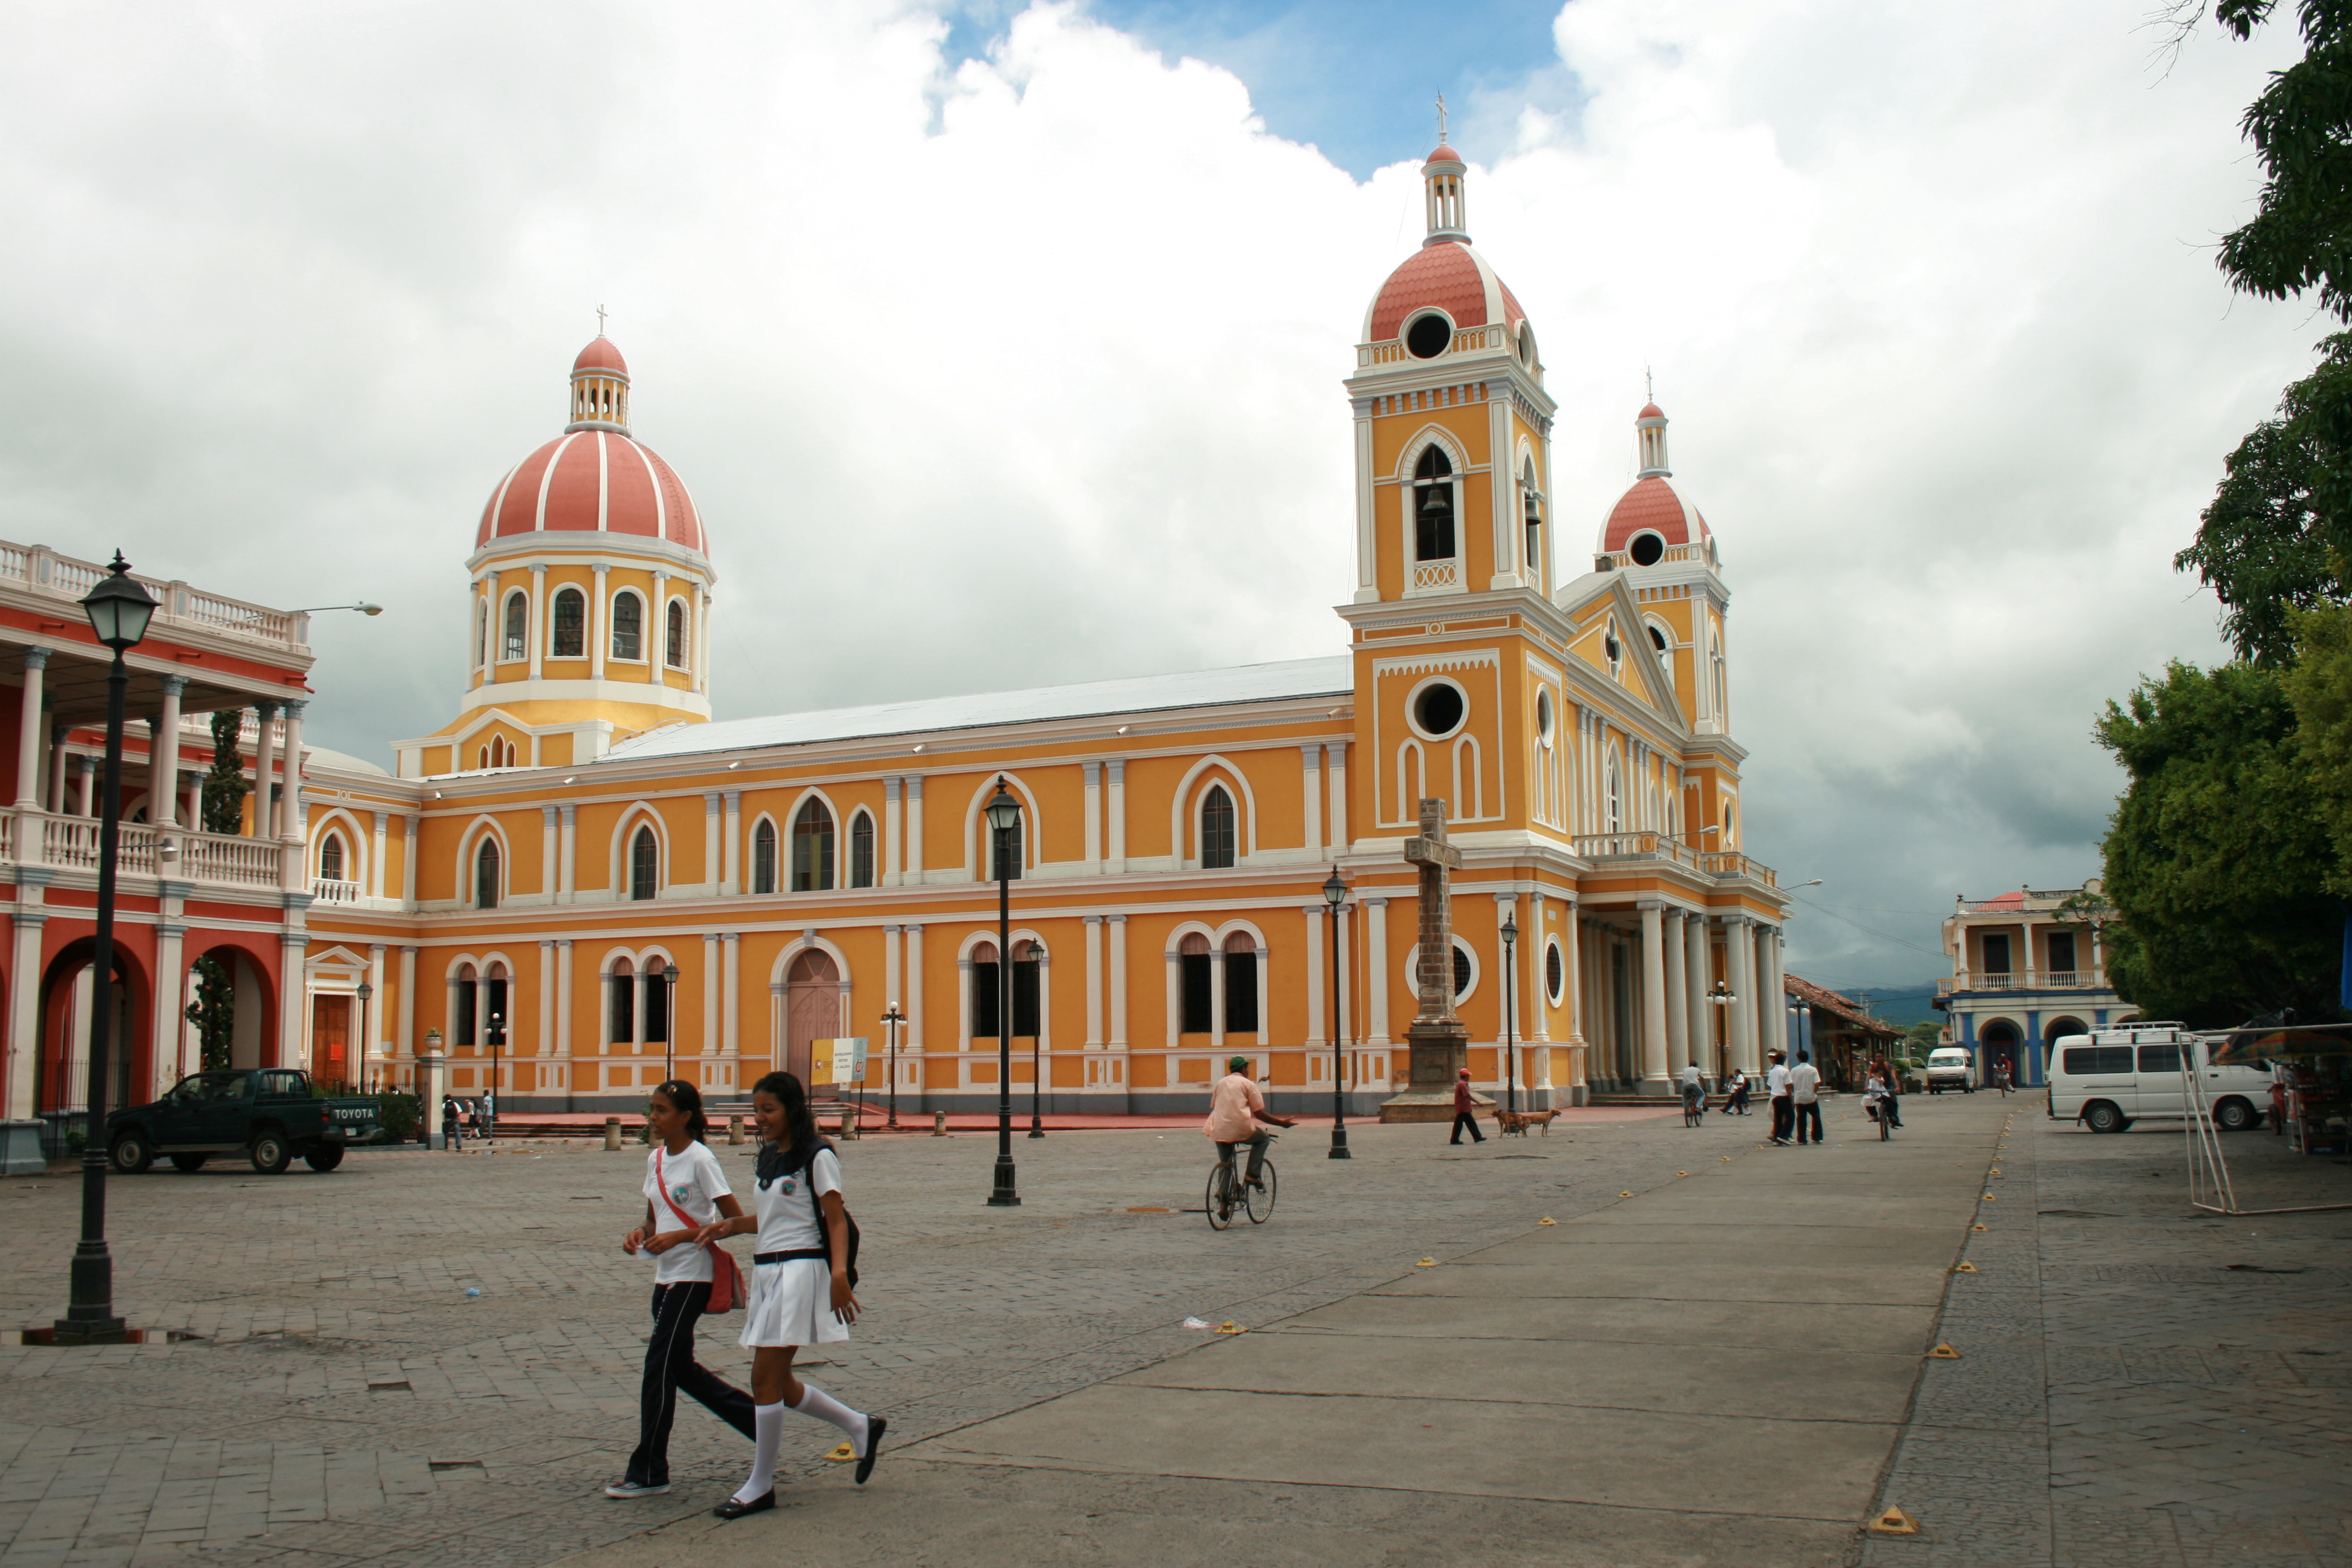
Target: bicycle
(1693,1110)
(1228,1192)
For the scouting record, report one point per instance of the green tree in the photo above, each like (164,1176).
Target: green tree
(225,786)
(213,1012)
(2217,865)
(1922,1037)
(2300,238)
(2319,685)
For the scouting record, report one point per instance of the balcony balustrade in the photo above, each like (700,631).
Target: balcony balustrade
(213,860)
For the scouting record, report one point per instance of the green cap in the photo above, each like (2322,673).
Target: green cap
(1238,1064)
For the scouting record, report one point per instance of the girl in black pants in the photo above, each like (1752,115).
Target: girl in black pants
(685,1190)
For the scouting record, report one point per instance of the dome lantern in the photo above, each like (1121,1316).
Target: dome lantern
(1440,176)
(600,389)
(1651,424)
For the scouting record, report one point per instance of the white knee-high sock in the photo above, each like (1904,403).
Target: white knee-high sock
(767,1423)
(816,1402)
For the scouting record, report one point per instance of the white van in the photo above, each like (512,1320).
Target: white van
(1948,1067)
(2112,1078)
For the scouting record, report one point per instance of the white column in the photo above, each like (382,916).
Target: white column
(1335,770)
(265,760)
(1217,998)
(405,1042)
(702,641)
(599,615)
(376,843)
(546,998)
(730,832)
(567,853)
(1571,961)
(1677,997)
(657,632)
(913,1005)
(28,735)
(1697,960)
(289,806)
(549,817)
(25,1014)
(1347,973)
(710,872)
(1318,983)
(56,767)
(1772,1005)
(730,1000)
(192,800)
(408,861)
(914,873)
(165,1064)
(1741,954)
(538,620)
(1376,972)
(564,1007)
(1094,817)
(1118,939)
(295,986)
(1264,1023)
(377,1038)
(1513,1021)
(1310,761)
(710,993)
(1537,1000)
(1116,828)
(1094,978)
(893,831)
(162,752)
(1175,963)
(1654,995)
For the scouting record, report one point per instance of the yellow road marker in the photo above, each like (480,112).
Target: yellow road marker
(1978,1228)
(1895,1521)
(1230,1327)
(1943,1352)
(1547,1220)
(1963,1268)
(1426,1263)
(842,1454)
(1624,1194)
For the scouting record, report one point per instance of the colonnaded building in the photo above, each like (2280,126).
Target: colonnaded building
(587,880)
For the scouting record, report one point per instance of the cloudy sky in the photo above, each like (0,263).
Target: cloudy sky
(1002,343)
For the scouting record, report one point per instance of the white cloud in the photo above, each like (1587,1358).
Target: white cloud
(1029,370)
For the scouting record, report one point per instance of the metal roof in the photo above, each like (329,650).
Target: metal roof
(1289,680)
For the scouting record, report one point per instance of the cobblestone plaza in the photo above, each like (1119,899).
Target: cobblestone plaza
(1716,1355)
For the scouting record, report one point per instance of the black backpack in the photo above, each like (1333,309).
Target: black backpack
(824,1230)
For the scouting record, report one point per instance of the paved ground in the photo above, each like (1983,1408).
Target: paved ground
(1724,1367)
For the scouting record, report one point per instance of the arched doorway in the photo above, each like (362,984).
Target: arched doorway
(1997,1041)
(812,1008)
(61,1071)
(226,1008)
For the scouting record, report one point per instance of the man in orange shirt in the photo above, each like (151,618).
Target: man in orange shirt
(1236,1111)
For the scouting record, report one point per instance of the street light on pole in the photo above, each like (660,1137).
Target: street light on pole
(1335,893)
(119,610)
(1724,1002)
(1510,1052)
(891,1021)
(1036,1046)
(669,1022)
(1004,816)
(367,993)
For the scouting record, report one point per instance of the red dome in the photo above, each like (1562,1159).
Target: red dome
(591,480)
(601,355)
(1652,504)
(1448,276)
(1650,411)
(1443,154)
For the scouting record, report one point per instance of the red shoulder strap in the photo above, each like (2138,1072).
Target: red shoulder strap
(662,1182)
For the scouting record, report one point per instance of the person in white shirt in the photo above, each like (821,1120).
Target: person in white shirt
(1776,1085)
(1694,1086)
(1805,1091)
(801,1290)
(685,1190)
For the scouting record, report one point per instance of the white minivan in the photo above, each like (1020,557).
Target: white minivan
(2112,1078)
(1952,1067)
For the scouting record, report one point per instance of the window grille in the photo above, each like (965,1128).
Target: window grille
(628,624)
(571,624)
(331,858)
(486,875)
(812,849)
(861,850)
(518,637)
(645,864)
(1217,828)
(763,858)
(676,634)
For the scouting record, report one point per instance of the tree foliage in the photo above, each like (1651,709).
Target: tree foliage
(2217,867)
(213,1012)
(2300,238)
(2319,685)
(225,786)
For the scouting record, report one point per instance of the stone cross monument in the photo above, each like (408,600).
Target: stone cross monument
(1438,1042)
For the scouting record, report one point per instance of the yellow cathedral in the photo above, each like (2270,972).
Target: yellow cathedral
(584,881)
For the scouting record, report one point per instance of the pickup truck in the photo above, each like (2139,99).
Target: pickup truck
(266,1114)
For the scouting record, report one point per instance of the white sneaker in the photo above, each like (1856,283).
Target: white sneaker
(625,1489)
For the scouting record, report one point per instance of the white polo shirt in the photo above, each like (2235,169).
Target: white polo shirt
(1807,1081)
(1777,1081)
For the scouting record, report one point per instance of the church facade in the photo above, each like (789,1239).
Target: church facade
(584,882)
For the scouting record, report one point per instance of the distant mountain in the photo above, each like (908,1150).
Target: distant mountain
(1900,1005)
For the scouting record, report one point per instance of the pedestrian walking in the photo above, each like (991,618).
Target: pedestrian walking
(1805,1093)
(1236,1107)
(1465,1111)
(1776,1088)
(2000,1075)
(801,1291)
(486,1115)
(453,1126)
(1737,1088)
(684,1189)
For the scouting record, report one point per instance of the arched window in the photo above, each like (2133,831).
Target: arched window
(1240,984)
(1217,830)
(764,857)
(467,1025)
(1432,507)
(644,864)
(812,849)
(987,1001)
(1615,803)
(486,875)
(482,634)
(621,1011)
(674,634)
(516,643)
(331,858)
(657,995)
(571,624)
(628,624)
(1028,969)
(1192,962)
(1533,513)
(861,850)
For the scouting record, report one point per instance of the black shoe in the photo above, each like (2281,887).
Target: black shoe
(875,1426)
(731,1508)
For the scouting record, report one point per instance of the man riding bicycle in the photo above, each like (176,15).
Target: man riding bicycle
(1236,1109)
(1694,1090)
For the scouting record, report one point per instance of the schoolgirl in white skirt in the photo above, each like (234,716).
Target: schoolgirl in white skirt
(799,1295)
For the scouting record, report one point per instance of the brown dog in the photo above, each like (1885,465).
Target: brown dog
(1518,1121)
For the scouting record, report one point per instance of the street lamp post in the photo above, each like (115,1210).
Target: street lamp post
(366,994)
(119,610)
(1036,1046)
(1724,1002)
(1004,816)
(891,1022)
(669,1022)
(1335,893)
(498,1032)
(1510,1049)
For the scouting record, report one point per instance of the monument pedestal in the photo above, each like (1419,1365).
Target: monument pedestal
(1440,1050)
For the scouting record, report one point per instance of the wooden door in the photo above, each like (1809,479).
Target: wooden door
(811,1009)
(330,1037)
